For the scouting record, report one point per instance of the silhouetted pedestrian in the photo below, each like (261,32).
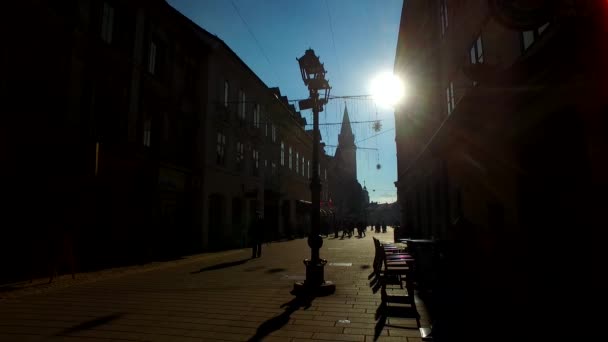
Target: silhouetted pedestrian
(344,227)
(256,232)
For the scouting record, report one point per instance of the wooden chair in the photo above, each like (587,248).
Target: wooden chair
(389,262)
(396,268)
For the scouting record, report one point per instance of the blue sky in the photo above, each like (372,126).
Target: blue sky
(363,45)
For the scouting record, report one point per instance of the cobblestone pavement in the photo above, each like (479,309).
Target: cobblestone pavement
(40,285)
(212,297)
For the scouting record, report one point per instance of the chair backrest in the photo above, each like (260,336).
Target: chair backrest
(383,260)
(377,257)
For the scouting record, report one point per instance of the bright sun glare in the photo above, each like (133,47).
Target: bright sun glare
(387,89)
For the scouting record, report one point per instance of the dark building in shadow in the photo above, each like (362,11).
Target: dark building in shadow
(501,156)
(132,133)
(345,190)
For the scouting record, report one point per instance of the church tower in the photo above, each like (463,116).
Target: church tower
(346,152)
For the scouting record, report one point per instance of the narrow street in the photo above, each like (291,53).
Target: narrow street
(217,296)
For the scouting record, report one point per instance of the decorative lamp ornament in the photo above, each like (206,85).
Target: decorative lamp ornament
(377,126)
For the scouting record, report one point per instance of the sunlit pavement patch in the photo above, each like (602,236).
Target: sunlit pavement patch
(293,277)
(341,264)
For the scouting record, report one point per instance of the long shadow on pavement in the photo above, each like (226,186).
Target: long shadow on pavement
(22,285)
(374,282)
(276,270)
(279,321)
(220,266)
(90,324)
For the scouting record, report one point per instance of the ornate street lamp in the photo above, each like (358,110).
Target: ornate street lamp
(313,75)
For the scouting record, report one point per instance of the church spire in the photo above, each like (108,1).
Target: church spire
(346,129)
(346,152)
(346,137)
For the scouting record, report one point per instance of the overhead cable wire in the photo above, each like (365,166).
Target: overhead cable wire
(333,41)
(358,148)
(375,135)
(333,97)
(236,9)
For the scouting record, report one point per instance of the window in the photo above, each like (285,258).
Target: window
(308,167)
(157,61)
(303,166)
(255,167)
(226,93)
(282,154)
(450,98)
(274,133)
(107,23)
(529,37)
(221,149)
(256,116)
(325,170)
(443,15)
(242,105)
(297,162)
(147,132)
(266,128)
(290,159)
(239,155)
(152,58)
(477,51)
(274,168)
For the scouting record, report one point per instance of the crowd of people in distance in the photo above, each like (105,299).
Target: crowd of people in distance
(350,227)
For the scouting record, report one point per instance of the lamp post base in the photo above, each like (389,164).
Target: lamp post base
(315,283)
(324,289)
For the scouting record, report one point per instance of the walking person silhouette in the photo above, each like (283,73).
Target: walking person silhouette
(256,232)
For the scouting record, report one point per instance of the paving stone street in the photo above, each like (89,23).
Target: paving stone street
(225,296)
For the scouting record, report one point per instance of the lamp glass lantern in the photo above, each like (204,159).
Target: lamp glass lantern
(313,74)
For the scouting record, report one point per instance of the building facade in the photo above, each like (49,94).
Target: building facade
(136,134)
(496,144)
(111,105)
(256,156)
